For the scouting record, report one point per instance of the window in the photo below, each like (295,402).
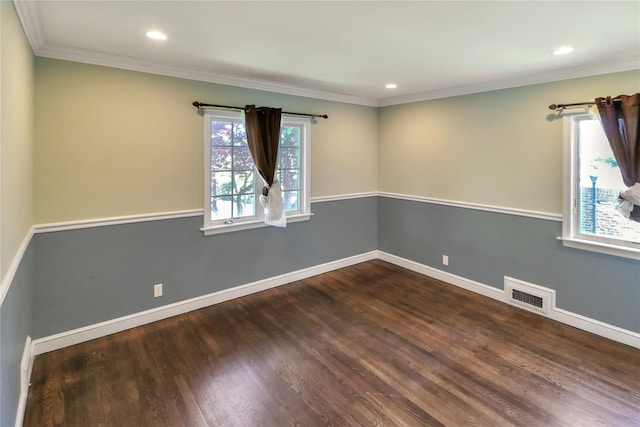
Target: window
(592,184)
(232,183)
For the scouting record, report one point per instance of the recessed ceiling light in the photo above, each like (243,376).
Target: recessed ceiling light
(156,35)
(391,86)
(563,50)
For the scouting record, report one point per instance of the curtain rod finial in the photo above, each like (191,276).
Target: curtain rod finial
(196,104)
(553,107)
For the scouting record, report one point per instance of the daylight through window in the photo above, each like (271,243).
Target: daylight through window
(232,183)
(593,183)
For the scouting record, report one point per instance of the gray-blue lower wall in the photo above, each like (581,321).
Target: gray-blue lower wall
(91,275)
(486,246)
(87,276)
(16,315)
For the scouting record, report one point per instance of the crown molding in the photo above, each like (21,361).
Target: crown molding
(30,19)
(133,64)
(588,70)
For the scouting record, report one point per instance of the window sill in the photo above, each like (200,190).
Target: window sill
(247,225)
(603,248)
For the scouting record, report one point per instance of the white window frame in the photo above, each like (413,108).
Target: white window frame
(217,226)
(571,236)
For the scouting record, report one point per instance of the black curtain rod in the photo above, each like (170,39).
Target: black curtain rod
(200,105)
(574,105)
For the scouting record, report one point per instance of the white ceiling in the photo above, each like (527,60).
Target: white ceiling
(344,51)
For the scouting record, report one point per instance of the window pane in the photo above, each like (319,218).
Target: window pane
(220,158)
(290,136)
(239,135)
(242,159)
(220,207)
(290,199)
(220,184)
(289,179)
(243,182)
(289,158)
(599,184)
(232,171)
(234,179)
(243,205)
(221,133)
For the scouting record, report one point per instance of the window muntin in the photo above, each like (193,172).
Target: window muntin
(232,171)
(232,183)
(288,171)
(592,184)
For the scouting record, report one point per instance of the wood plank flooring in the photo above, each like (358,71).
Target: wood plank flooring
(367,345)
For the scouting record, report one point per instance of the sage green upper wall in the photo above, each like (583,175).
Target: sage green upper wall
(16,135)
(500,148)
(111,142)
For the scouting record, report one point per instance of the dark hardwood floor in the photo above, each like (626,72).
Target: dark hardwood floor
(369,345)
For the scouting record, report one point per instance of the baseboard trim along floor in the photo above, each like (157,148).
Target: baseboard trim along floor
(76,336)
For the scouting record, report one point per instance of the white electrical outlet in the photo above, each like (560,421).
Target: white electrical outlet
(445,260)
(157,290)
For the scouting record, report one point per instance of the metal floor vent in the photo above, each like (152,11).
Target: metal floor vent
(529,296)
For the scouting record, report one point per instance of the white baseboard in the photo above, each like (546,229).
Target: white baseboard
(76,336)
(597,327)
(26,365)
(461,282)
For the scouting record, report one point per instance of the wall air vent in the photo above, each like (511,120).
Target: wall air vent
(526,298)
(529,296)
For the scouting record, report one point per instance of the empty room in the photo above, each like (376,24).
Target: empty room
(345,213)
